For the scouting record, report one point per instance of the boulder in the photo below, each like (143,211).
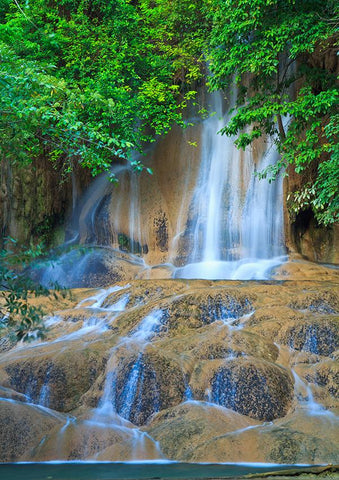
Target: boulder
(324,301)
(319,336)
(204,307)
(87,266)
(55,380)
(267,321)
(23,427)
(145,383)
(179,430)
(96,441)
(267,444)
(247,385)
(325,374)
(142,292)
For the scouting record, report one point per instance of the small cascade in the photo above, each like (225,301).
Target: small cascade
(217,220)
(96,301)
(180,363)
(115,224)
(90,217)
(231,312)
(305,397)
(119,407)
(237,218)
(135,231)
(98,320)
(112,419)
(122,402)
(262,216)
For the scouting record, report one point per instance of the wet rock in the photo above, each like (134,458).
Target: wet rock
(289,446)
(160,224)
(194,349)
(146,383)
(179,430)
(9,394)
(56,381)
(142,292)
(325,374)
(320,424)
(326,301)
(300,269)
(183,312)
(157,272)
(6,343)
(224,342)
(214,306)
(318,336)
(87,267)
(213,342)
(266,444)
(267,321)
(22,427)
(201,308)
(131,449)
(97,441)
(249,386)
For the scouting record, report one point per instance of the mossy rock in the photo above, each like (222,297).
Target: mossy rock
(267,445)
(179,430)
(56,381)
(324,302)
(95,441)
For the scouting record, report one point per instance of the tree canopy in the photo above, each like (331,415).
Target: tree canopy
(88,81)
(281,54)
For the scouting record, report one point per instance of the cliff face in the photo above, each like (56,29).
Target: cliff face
(35,201)
(303,234)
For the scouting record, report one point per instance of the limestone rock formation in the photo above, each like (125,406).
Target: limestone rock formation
(159,384)
(254,388)
(180,429)
(188,370)
(23,427)
(53,378)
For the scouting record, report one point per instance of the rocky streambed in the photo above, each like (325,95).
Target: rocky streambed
(194,371)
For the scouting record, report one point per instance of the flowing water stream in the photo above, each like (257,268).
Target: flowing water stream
(238,219)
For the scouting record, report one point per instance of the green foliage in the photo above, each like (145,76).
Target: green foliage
(40,115)
(275,51)
(17,316)
(89,81)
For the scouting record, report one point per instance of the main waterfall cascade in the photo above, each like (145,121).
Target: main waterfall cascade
(238,219)
(203,214)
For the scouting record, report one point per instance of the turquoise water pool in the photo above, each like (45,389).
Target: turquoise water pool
(130,470)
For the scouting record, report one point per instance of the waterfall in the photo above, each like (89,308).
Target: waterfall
(206,214)
(237,218)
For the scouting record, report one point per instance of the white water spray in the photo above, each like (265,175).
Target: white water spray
(238,219)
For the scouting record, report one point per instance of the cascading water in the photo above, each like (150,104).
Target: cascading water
(238,219)
(226,224)
(138,340)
